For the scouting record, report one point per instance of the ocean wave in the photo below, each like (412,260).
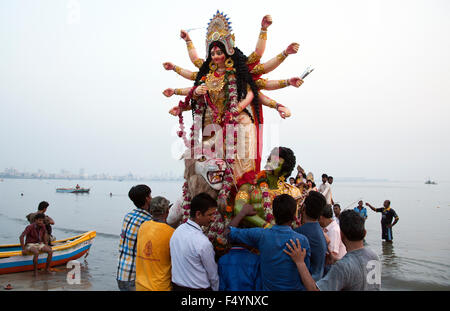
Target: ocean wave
(77,231)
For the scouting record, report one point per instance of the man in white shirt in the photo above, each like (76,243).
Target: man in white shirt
(330,181)
(337,212)
(192,254)
(325,188)
(331,228)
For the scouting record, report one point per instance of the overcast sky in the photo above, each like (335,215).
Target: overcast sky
(87,92)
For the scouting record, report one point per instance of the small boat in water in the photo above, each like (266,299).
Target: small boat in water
(77,189)
(12,260)
(430,182)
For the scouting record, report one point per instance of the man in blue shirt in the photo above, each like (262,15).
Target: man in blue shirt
(311,210)
(239,270)
(361,210)
(278,271)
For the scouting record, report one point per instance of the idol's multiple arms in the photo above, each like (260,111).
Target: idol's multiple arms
(270,85)
(276,61)
(176,111)
(268,102)
(183,92)
(197,61)
(262,39)
(190,75)
(262,84)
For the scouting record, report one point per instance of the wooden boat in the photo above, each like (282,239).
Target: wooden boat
(12,260)
(73,190)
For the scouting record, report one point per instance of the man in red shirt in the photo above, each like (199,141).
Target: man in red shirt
(35,242)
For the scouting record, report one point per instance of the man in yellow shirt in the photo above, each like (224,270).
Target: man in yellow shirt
(153,264)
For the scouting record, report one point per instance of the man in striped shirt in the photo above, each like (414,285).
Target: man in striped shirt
(126,270)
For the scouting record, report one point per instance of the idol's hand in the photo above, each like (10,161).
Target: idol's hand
(266,22)
(296,81)
(284,112)
(201,90)
(168,92)
(240,117)
(185,35)
(168,66)
(175,111)
(292,48)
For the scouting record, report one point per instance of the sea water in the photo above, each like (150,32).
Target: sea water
(418,259)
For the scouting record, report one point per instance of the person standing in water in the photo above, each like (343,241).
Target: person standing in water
(387,214)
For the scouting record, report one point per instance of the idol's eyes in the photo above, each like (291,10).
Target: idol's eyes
(218,53)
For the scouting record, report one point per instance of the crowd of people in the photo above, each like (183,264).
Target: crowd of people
(327,252)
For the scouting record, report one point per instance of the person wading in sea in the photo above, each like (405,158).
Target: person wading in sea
(387,214)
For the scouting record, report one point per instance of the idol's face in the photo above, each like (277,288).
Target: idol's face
(212,170)
(217,55)
(274,163)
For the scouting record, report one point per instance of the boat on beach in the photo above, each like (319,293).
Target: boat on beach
(12,260)
(73,190)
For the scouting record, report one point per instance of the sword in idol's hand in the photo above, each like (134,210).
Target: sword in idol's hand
(190,29)
(307,72)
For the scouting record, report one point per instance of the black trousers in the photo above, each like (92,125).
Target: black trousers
(178,288)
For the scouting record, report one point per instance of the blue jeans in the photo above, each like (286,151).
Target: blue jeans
(126,286)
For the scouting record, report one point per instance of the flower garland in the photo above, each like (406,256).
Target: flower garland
(183,105)
(230,118)
(217,227)
(186,204)
(267,198)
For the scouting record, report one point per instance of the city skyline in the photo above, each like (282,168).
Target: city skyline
(11,172)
